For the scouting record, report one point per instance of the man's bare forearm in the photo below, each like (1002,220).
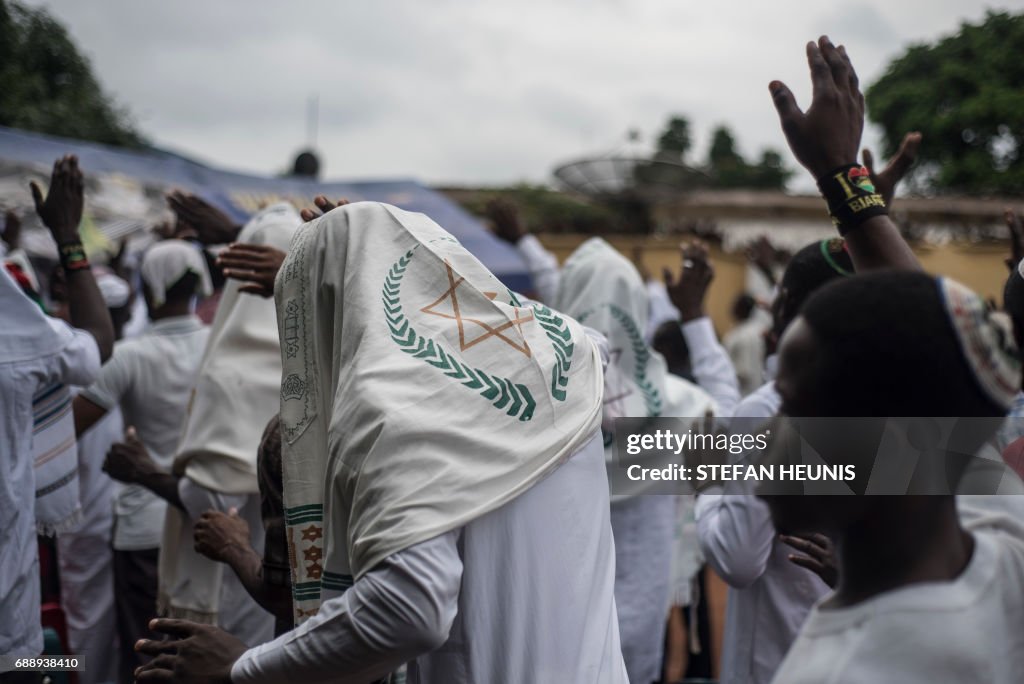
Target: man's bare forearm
(164,485)
(877,244)
(248,566)
(88,310)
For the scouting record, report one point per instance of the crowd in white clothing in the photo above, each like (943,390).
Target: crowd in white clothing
(375,462)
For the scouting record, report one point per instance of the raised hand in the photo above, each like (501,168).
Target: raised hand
(825,140)
(1016,246)
(12,230)
(255,265)
(505,217)
(197,217)
(819,558)
(196,654)
(887,180)
(61,209)
(219,536)
(828,134)
(687,292)
(324,205)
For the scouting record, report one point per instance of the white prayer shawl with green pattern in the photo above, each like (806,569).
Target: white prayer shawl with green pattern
(236,394)
(601,289)
(418,392)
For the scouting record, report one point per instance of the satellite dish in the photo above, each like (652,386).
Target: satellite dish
(615,177)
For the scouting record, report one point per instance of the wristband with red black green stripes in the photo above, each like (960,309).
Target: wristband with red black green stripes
(72,256)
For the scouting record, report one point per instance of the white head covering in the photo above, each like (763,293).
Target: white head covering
(237,392)
(989,354)
(115,290)
(418,394)
(166,262)
(604,291)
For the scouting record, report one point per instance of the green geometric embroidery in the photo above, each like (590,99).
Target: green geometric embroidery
(641,355)
(515,399)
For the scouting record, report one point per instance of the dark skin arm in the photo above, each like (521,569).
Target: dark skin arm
(194,654)
(12,230)
(61,212)
(828,136)
(688,291)
(86,413)
(129,462)
(197,217)
(224,537)
(254,265)
(819,555)
(324,205)
(1016,245)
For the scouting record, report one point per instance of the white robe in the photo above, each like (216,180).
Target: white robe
(522,594)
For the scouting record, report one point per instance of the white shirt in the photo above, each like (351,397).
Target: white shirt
(151,377)
(770,596)
(659,308)
(967,630)
(77,363)
(523,594)
(745,345)
(96,488)
(237,612)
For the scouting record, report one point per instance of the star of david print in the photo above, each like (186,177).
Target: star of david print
(509,332)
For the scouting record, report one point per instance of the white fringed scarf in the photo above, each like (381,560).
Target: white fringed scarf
(28,335)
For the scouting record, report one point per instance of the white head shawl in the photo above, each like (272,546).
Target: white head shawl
(237,392)
(167,262)
(418,395)
(604,291)
(115,290)
(239,385)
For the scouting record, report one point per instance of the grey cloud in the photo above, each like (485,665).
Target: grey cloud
(481,92)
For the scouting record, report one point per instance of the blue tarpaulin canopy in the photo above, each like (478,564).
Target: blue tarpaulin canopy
(125,190)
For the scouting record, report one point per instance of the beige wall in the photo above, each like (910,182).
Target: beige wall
(979,266)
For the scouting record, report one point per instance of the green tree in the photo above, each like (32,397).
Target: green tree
(726,167)
(723,149)
(770,173)
(674,142)
(965,94)
(48,85)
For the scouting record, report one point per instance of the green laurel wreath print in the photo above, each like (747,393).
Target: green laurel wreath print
(513,398)
(561,343)
(641,355)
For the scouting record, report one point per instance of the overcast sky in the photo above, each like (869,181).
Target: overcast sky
(468,92)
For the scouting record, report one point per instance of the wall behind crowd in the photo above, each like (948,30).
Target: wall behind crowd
(978,265)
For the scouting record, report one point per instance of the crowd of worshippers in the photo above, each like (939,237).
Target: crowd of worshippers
(330,446)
